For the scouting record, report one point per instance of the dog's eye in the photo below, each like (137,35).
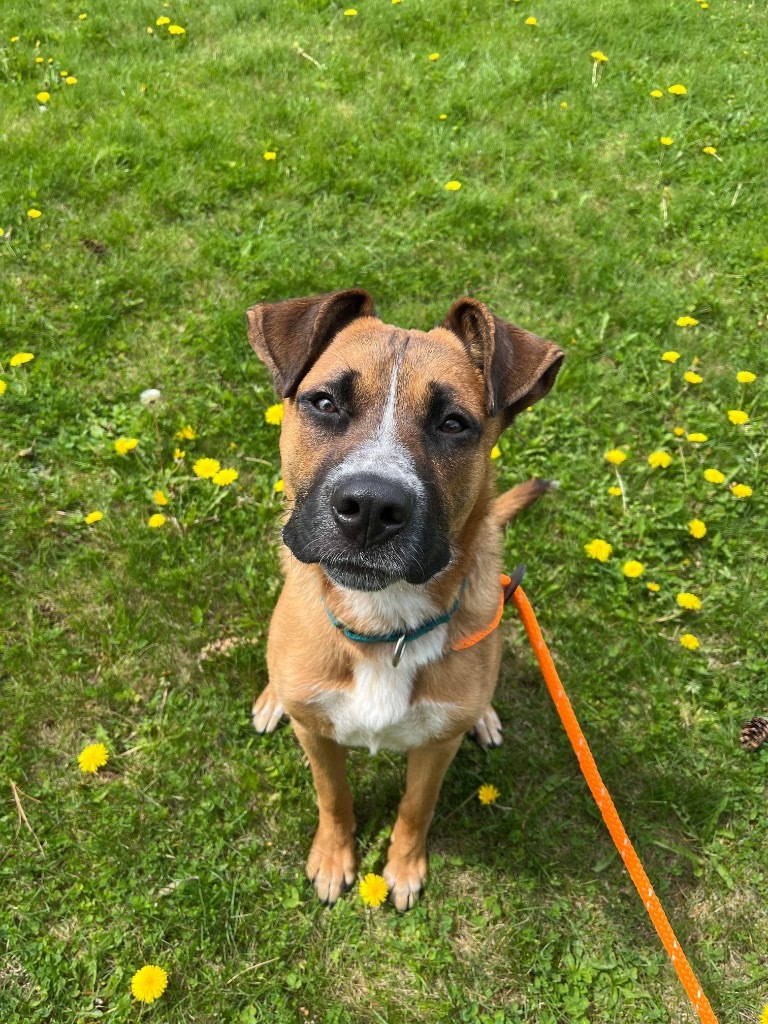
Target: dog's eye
(324,404)
(452,425)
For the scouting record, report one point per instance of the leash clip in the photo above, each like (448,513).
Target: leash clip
(515,579)
(399,649)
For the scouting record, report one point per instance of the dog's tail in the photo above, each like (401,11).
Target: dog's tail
(507,505)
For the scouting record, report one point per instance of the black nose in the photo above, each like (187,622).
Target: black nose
(370,509)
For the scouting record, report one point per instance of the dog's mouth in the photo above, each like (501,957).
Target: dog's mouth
(357,576)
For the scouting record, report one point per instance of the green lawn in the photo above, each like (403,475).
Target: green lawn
(161,221)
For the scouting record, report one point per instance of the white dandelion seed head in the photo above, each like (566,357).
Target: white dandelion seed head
(150,397)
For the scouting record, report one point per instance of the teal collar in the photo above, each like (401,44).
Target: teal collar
(398,638)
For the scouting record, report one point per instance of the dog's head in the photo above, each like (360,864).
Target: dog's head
(387,432)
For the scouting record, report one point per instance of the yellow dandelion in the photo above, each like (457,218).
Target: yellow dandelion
(3,387)
(495,452)
(270,154)
(278,487)
(70,80)
(94,517)
(563,105)
(677,90)
(373,890)
(686,321)
(697,438)
(163,21)
(149,983)
(350,13)
(93,757)
(176,30)
(123,445)
(443,117)
(666,140)
(33,214)
(206,468)
(692,378)
(14,39)
(689,601)
(764,1014)
(678,431)
(633,569)
(653,587)
(434,56)
(178,454)
(150,30)
(274,414)
(615,492)
(186,434)
(43,97)
(697,528)
(670,357)
(453,186)
(615,456)
(39,60)
(82,17)
(714,476)
(657,94)
(20,358)
(659,460)
(599,549)
(156,521)
(599,56)
(738,416)
(488,794)
(745,377)
(224,477)
(63,74)
(531,21)
(690,642)
(741,490)
(159,498)
(709,150)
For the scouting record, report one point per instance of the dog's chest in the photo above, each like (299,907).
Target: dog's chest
(376,712)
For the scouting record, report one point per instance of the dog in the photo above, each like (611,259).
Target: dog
(383,636)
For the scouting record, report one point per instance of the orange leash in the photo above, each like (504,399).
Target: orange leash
(609,812)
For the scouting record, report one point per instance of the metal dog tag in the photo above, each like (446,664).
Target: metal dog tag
(398,651)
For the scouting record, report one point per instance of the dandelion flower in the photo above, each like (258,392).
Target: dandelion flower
(206,468)
(373,890)
(39,60)
(93,757)
(709,150)
(615,492)
(633,569)
(666,140)
(150,396)
(3,387)
(678,431)
(274,414)
(453,186)
(692,377)
(156,521)
(186,434)
(677,90)
(495,452)
(488,794)
(94,517)
(670,357)
(149,983)
(159,498)
(82,17)
(70,80)
(434,56)
(270,154)
(163,21)
(21,357)
(150,30)
(176,30)
(697,438)
(350,13)
(738,416)
(178,454)
(563,105)
(531,21)
(599,56)
(764,1014)
(689,641)
(686,321)
(714,476)
(657,94)
(34,214)
(224,477)
(689,601)
(43,97)
(123,445)
(745,377)
(615,456)
(443,117)
(14,39)
(599,549)
(697,528)
(653,587)
(278,487)
(741,490)
(659,460)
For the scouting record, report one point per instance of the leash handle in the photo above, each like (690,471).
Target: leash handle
(608,810)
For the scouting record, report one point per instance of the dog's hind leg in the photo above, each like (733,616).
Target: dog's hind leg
(267,711)
(487,730)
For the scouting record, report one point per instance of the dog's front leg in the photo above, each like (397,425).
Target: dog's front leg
(407,864)
(331,863)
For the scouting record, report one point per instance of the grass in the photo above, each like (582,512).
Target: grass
(187,849)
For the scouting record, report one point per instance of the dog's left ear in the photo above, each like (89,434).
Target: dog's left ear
(289,336)
(518,367)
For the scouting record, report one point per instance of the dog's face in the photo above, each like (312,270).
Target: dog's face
(387,432)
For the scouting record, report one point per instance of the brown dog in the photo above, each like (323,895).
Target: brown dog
(392,531)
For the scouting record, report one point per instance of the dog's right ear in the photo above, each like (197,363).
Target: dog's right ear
(289,336)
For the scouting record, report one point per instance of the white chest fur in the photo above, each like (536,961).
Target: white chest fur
(377,711)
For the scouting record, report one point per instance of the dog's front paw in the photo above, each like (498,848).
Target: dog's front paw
(487,730)
(331,866)
(267,711)
(405,876)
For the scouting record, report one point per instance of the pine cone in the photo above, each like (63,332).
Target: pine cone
(754,734)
